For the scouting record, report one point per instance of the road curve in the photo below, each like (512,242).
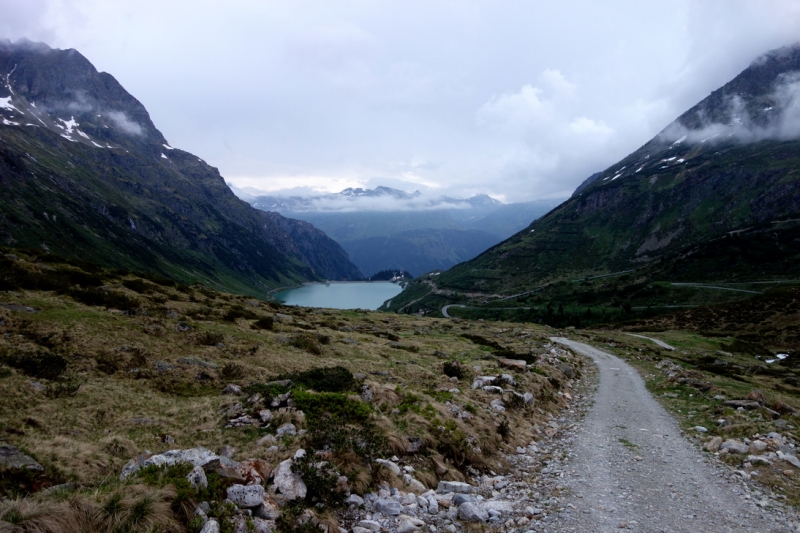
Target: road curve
(660,343)
(634,470)
(446,307)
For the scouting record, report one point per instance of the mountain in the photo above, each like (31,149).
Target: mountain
(85,173)
(713,199)
(385,228)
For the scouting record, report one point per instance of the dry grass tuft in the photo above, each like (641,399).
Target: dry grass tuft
(133,509)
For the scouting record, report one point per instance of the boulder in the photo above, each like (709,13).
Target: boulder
(255,471)
(494,389)
(12,457)
(472,512)
(744,404)
(501,506)
(247,496)
(513,364)
(289,483)
(196,456)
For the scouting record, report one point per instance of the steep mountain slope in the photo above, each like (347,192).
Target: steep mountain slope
(385,228)
(714,197)
(86,174)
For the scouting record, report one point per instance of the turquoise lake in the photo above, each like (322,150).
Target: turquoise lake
(341,295)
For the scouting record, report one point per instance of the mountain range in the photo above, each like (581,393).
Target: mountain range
(385,228)
(713,199)
(85,173)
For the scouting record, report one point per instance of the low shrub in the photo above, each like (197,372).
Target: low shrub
(325,379)
(453,369)
(64,388)
(104,298)
(39,364)
(266,322)
(210,338)
(307,343)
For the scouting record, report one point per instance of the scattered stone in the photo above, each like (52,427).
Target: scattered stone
(700,429)
(744,404)
(758,459)
(232,389)
(265,415)
(734,446)
(354,499)
(283,319)
(286,429)
(390,465)
(212,526)
(197,478)
(370,525)
(459,487)
(756,396)
(714,444)
(407,524)
(498,405)
(501,506)
(267,440)
(388,507)
(414,444)
(227,451)
(268,510)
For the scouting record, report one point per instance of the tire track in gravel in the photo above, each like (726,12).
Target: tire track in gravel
(632,468)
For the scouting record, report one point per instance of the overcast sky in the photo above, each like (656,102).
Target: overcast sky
(518,99)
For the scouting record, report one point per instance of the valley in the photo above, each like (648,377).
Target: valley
(628,358)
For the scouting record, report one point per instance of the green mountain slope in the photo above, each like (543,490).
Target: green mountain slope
(86,174)
(714,198)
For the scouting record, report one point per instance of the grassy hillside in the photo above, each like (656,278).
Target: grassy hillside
(98,366)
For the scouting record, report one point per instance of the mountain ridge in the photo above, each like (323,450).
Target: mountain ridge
(686,206)
(87,174)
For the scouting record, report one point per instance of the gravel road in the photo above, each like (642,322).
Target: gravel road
(633,470)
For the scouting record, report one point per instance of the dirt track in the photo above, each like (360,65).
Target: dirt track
(632,468)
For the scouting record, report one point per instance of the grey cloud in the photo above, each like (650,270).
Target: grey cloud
(777,116)
(124,123)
